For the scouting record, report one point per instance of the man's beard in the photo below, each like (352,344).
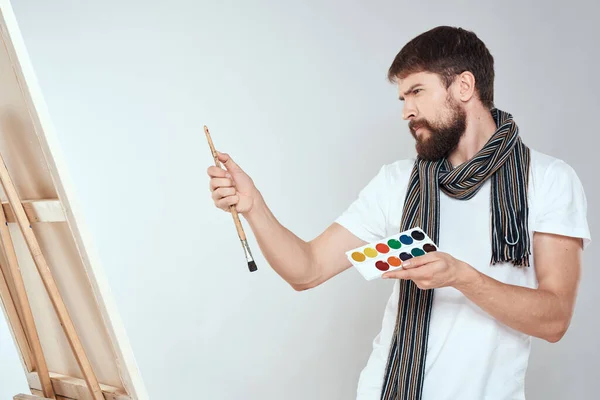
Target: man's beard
(443,138)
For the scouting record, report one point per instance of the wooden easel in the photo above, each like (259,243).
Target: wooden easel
(22,302)
(52,288)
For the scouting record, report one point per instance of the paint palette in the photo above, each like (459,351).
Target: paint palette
(374,259)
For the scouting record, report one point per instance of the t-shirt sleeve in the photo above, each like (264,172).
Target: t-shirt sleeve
(562,204)
(366,215)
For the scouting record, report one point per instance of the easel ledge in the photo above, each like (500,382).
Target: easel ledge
(49,210)
(29,397)
(69,388)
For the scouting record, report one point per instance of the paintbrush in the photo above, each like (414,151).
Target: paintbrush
(238,225)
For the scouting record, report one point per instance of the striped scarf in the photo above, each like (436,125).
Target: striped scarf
(504,159)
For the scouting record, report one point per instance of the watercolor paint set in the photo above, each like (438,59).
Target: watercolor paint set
(374,259)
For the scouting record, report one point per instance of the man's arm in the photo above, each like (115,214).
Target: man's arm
(544,312)
(300,263)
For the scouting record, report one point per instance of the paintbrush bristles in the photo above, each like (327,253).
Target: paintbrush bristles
(252,266)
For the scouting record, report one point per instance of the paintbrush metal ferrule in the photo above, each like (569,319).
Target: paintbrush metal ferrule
(247,250)
(249,258)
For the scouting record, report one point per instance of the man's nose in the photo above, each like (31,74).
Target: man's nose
(408,110)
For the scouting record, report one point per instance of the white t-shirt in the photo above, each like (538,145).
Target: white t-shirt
(470,355)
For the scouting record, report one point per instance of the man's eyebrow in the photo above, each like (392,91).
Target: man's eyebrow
(409,90)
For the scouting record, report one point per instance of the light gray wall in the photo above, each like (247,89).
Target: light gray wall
(296,92)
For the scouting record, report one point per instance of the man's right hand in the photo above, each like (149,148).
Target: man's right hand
(232,186)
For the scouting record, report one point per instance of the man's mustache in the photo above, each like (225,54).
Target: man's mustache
(416,124)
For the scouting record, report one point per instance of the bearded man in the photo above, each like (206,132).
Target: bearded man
(511,222)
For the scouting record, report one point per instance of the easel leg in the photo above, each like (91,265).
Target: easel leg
(15,321)
(23,301)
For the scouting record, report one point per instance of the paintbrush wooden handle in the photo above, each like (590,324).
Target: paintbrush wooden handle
(234,213)
(236,218)
(238,223)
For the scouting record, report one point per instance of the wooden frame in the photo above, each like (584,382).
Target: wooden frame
(73,388)
(29,397)
(40,176)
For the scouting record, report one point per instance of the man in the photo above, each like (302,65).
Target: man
(511,222)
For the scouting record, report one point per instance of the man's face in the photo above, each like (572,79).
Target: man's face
(436,119)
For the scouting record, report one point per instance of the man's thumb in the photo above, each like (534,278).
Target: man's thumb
(227,161)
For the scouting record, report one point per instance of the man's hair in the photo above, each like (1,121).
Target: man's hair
(448,52)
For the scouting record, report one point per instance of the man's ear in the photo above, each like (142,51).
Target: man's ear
(465,86)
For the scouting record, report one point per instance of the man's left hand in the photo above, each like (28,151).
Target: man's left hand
(432,270)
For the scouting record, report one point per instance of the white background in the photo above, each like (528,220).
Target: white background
(296,92)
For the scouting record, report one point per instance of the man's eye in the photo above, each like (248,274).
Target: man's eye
(416,91)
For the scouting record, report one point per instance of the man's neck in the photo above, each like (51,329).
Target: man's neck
(480,128)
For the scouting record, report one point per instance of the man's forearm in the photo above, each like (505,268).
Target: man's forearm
(285,252)
(534,312)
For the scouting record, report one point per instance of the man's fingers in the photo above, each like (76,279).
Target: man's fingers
(227,161)
(216,172)
(226,202)
(416,274)
(398,274)
(216,183)
(420,260)
(220,193)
